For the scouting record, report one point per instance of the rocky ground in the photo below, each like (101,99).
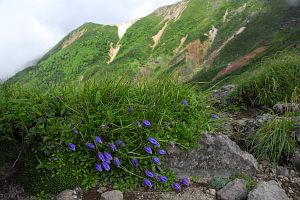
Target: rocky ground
(221,154)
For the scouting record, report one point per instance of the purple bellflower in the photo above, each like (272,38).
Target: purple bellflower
(146,123)
(148,150)
(185,182)
(106,166)
(101,156)
(135,163)
(155,160)
(163,179)
(72,147)
(161,152)
(98,167)
(149,173)
(148,183)
(98,140)
(153,142)
(176,186)
(90,145)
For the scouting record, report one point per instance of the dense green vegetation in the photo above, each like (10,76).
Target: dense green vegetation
(111,109)
(274,79)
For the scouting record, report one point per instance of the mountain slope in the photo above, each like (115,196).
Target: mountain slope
(195,40)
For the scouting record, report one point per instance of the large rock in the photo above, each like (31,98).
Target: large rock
(234,190)
(280,108)
(217,156)
(112,195)
(75,194)
(270,190)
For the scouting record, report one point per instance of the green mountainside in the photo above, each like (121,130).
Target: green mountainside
(195,40)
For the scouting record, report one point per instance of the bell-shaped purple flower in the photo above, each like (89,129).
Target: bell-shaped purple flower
(72,147)
(106,166)
(98,140)
(75,131)
(153,142)
(148,150)
(117,162)
(185,182)
(149,173)
(185,102)
(113,147)
(107,156)
(161,152)
(163,179)
(101,156)
(98,167)
(214,116)
(148,183)
(146,123)
(176,186)
(155,160)
(135,163)
(120,143)
(90,145)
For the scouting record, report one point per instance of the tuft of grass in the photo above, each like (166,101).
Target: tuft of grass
(274,140)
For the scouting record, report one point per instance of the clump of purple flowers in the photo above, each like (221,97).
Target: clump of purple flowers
(110,155)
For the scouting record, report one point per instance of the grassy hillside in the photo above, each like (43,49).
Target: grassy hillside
(65,64)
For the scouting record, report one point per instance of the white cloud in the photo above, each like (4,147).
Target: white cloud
(30,28)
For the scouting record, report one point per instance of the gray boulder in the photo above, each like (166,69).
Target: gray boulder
(112,195)
(280,108)
(234,190)
(75,194)
(270,190)
(216,156)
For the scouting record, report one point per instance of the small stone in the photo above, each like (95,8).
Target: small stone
(212,192)
(267,191)
(102,189)
(75,194)
(112,195)
(282,171)
(234,190)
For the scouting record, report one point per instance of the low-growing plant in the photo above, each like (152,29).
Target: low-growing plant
(114,132)
(217,183)
(273,140)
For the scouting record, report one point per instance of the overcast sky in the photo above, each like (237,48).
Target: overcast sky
(31,27)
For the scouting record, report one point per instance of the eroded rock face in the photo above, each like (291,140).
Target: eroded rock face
(270,190)
(234,190)
(217,156)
